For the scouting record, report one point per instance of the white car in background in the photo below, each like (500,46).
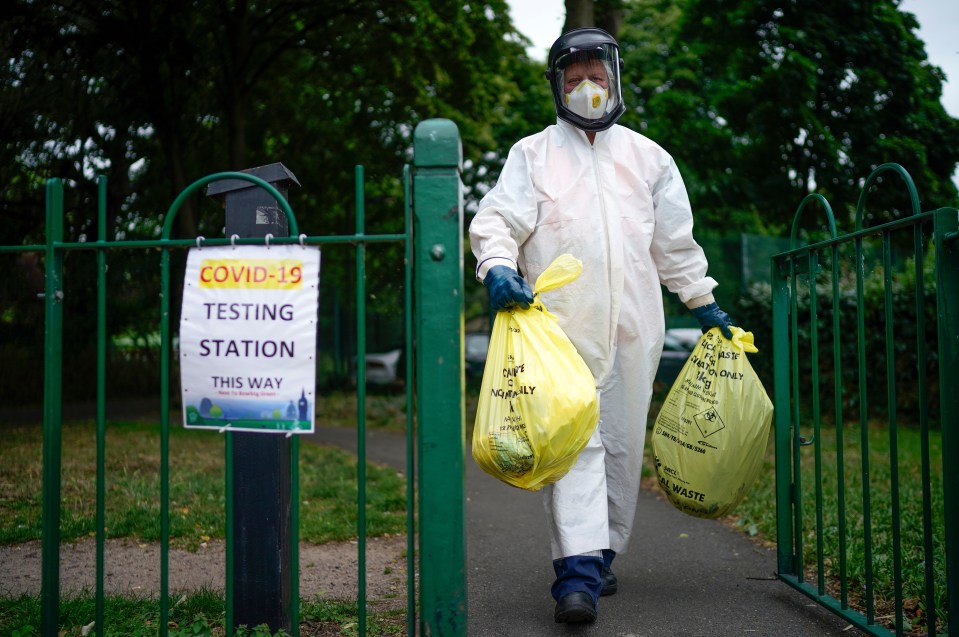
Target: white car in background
(476,347)
(383,368)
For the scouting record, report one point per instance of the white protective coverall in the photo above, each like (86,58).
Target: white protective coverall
(621,207)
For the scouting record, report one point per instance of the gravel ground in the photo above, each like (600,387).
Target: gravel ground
(328,570)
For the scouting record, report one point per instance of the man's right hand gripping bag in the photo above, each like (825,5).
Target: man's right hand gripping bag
(537,407)
(710,435)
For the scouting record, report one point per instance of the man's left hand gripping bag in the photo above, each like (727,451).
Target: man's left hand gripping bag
(537,406)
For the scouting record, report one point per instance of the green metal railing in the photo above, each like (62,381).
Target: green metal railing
(432,238)
(857,566)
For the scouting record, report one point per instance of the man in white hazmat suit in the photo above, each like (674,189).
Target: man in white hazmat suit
(615,200)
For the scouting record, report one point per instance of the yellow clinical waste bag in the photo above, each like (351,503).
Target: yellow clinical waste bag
(710,435)
(537,405)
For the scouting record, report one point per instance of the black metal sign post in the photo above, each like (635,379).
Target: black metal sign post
(261,462)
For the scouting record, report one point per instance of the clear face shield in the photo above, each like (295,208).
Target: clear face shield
(586,87)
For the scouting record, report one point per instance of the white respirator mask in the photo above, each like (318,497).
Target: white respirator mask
(588,100)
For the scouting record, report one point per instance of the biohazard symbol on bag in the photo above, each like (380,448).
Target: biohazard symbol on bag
(709,422)
(537,406)
(710,435)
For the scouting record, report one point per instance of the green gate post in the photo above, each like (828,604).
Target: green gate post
(947,285)
(261,553)
(440,410)
(52,413)
(785,554)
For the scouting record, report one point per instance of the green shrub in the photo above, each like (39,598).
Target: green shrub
(754,312)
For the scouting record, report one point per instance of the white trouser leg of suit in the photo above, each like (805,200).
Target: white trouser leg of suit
(593,506)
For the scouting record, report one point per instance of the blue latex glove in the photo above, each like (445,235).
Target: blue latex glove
(711,316)
(506,288)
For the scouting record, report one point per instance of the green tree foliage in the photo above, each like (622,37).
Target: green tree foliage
(759,102)
(163,93)
(762,102)
(156,95)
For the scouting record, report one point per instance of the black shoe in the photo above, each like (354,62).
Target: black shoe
(610,583)
(575,608)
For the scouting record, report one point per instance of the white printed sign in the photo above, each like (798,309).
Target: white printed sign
(248,338)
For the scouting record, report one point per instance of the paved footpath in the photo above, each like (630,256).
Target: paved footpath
(683,576)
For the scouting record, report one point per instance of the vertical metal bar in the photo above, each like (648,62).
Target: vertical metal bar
(784,512)
(164,518)
(410,457)
(947,314)
(840,443)
(230,534)
(817,420)
(361,398)
(441,438)
(864,431)
(52,415)
(164,437)
(921,358)
(797,438)
(101,395)
(893,426)
(295,533)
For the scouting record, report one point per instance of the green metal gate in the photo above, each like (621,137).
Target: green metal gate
(866,354)
(433,239)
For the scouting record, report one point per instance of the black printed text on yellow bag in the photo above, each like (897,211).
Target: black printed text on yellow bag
(710,436)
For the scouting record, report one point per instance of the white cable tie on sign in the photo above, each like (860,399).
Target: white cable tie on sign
(302,238)
(233,239)
(199,241)
(267,239)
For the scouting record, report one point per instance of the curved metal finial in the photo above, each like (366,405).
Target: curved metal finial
(802,205)
(910,186)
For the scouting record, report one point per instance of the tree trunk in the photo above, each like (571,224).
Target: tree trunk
(239,52)
(579,13)
(186,221)
(236,130)
(605,14)
(609,16)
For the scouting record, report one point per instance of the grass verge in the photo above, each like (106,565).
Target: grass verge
(328,487)
(202,613)
(756,516)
